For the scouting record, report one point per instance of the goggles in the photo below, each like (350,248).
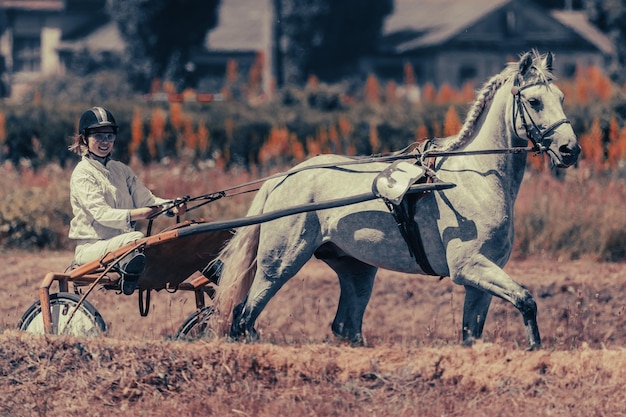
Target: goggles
(103,137)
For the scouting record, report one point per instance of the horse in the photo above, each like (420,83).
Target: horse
(466,231)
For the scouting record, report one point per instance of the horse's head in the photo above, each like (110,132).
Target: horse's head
(538,110)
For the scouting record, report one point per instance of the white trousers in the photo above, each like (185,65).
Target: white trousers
(92,250)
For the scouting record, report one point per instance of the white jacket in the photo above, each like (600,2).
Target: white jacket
(102,197)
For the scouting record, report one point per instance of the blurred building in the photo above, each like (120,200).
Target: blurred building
(32,32)
(445,41)
(452,41)
(244,33)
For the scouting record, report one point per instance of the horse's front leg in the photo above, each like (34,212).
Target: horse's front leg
(528,308)
(475,311)
(484,275)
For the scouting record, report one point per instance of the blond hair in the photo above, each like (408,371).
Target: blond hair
(79,145)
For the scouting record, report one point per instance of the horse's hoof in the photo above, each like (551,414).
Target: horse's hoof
(252,336)
(469,341)
(236,334)
(357,342)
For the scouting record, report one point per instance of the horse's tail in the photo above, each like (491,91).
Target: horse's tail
(238,266)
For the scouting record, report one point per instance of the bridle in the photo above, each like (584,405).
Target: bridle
(533,132)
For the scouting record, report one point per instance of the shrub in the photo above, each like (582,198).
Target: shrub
(35,209)
(571,218)
(236,129)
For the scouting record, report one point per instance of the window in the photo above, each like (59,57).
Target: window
(467,73)
(27,54)
(569,70)
(510,26)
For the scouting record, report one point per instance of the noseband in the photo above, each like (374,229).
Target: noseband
(533,132)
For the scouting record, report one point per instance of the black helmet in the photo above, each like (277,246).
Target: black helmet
(96,117)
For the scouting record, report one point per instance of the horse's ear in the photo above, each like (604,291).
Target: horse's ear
(548,61)
(525,63)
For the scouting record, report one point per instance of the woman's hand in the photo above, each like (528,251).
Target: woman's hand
(179,208)
(142,213)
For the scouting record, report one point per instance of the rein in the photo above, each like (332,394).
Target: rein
(208,198)
(533,133)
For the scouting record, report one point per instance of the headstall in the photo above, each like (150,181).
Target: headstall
(533,132)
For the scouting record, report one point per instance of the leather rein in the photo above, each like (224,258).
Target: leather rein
(533,133)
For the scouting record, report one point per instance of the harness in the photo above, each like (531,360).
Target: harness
(402,205)
(392,184)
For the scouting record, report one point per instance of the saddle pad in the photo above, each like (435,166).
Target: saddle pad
(393,182)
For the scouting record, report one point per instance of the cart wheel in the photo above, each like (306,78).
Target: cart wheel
(87,321)
(196,326)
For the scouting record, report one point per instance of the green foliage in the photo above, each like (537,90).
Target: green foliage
(99,87)
(161,35)
(550,217)
(40,129)
(352,30)
(39,134)
(327,37)
(610,17)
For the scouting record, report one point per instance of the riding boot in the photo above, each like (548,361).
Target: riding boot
(131,267)
(213,271)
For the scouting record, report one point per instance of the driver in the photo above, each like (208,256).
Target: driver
(107,198)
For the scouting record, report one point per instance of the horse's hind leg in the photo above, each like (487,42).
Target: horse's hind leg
(276,264)
(356,280)
(475,310)
(246,313)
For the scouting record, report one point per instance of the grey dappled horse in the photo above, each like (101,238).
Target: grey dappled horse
(467,231)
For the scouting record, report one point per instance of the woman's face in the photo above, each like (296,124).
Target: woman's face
(101,140)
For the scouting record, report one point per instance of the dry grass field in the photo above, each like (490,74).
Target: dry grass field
(413,364)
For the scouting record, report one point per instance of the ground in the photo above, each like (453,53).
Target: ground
(413,363)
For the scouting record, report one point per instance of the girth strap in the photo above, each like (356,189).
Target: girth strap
(403,214)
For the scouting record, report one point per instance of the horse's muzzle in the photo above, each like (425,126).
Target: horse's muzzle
(568,155)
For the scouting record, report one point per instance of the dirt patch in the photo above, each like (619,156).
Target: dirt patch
(413,363)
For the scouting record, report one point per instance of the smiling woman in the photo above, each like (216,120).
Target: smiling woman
(107,198)
(100,141)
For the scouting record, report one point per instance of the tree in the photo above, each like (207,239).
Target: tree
(161,35)
(561,4)
(610,17)
(327,37)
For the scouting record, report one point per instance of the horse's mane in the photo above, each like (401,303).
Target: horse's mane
(539,73)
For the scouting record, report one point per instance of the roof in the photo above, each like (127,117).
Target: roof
(578,22)
(417,24)
(43,5)
(242,25)
(434,21)
(106,38)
